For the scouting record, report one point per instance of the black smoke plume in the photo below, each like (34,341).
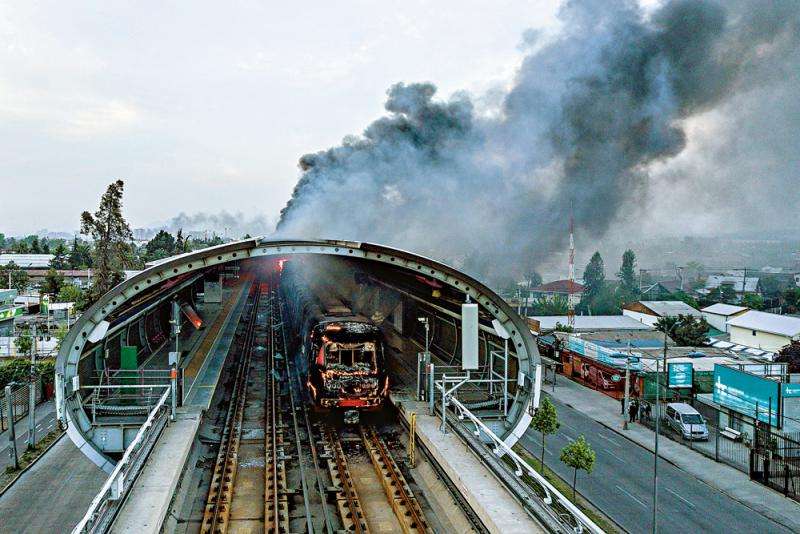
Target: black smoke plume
(590,112)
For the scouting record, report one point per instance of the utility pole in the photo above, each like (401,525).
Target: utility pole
(627,388)
(173,374)
(32,396)
(12,435)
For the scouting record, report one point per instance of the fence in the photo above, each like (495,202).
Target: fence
(776,461)
(19,402)
(768,457)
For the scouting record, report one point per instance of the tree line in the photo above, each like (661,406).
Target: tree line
(106,247)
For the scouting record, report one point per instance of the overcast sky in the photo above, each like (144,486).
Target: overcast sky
(207,106)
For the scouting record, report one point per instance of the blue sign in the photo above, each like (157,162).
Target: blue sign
(746,393)
(680,375)
(790,390)
(612,357)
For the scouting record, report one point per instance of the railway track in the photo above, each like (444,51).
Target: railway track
(280,469)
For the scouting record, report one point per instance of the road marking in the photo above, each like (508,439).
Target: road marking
(615,456)
(568,425)
(600,434)
(632,496)
(681,498)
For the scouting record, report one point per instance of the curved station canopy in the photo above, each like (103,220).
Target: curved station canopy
(398,287)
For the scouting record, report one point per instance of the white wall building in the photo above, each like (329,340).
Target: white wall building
(763,330)
(718,314)
(650,311)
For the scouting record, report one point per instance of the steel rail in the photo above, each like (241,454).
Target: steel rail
(293,379)
(353,516)
(394,484)
(220,493)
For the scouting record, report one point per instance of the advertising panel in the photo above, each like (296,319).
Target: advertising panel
(613,357)
(747,393)
(680,375)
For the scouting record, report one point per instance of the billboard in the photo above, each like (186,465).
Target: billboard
(680,375)
(747,393)
(613,357)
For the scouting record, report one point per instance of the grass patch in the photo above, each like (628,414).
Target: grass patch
(565,488)
(28,457)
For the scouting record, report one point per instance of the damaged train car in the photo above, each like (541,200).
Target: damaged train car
(340,353)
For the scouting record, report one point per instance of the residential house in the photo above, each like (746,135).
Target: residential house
(569,289)
(761,330)
(717,315)
(740,284)
(649,312)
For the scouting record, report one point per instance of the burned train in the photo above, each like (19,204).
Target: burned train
(340,354)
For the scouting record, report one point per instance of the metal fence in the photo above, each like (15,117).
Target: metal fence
(776,461)
(19,402)
(766,456)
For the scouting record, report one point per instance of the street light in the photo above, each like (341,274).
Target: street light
(667,329)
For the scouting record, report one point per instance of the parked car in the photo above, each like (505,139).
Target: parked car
(686,421)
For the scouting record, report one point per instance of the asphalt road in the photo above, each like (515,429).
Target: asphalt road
(621,484)
(45,422)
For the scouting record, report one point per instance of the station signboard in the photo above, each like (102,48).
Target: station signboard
(680,375)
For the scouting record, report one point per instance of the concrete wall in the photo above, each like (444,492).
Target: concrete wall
(649,320)
(717,321)
(761,340)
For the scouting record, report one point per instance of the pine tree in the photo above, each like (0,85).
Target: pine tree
(59,260)
(111,235)
(594,276)
(627,272)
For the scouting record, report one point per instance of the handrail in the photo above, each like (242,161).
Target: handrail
(521,465)
(116,486)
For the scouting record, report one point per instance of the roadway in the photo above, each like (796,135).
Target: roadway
(621,485)
(45,423)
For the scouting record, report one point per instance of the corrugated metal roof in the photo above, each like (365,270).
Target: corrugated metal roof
(724,309)
(771,323)
(27,261)
(716,280)
(592,322)
(560,286)
(670,308)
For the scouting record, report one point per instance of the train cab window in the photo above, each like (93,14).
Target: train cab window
(350,356)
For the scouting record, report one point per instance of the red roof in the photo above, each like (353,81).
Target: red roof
(560,286)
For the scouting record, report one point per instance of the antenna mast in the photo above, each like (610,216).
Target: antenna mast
(571,277)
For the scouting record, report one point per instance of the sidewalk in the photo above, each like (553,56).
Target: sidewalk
(728,480)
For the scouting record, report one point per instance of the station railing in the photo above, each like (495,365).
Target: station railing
(560,508)
(104,506)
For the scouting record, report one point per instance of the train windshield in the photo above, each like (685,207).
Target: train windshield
(352,354)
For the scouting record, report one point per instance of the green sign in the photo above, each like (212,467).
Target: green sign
(10,313)
(790,390)
(616,378)
(680,375)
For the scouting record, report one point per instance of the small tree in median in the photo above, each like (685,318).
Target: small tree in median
(545,420)
(578,455)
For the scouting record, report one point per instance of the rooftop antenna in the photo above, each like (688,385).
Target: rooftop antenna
(571,274)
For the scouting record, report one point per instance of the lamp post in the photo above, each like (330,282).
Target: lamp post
(667,329)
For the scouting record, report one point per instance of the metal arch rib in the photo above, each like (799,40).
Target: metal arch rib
(525,347)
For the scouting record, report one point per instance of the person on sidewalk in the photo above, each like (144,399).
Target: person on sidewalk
(632,409)
(622,405)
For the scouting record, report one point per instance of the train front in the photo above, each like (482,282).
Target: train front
(348,369)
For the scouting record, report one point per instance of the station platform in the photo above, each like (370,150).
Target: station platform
(145,509)
(488,498)
(146,506)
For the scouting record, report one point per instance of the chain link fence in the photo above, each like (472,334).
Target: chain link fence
(19,402)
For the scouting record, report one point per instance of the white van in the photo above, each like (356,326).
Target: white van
(686,421)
